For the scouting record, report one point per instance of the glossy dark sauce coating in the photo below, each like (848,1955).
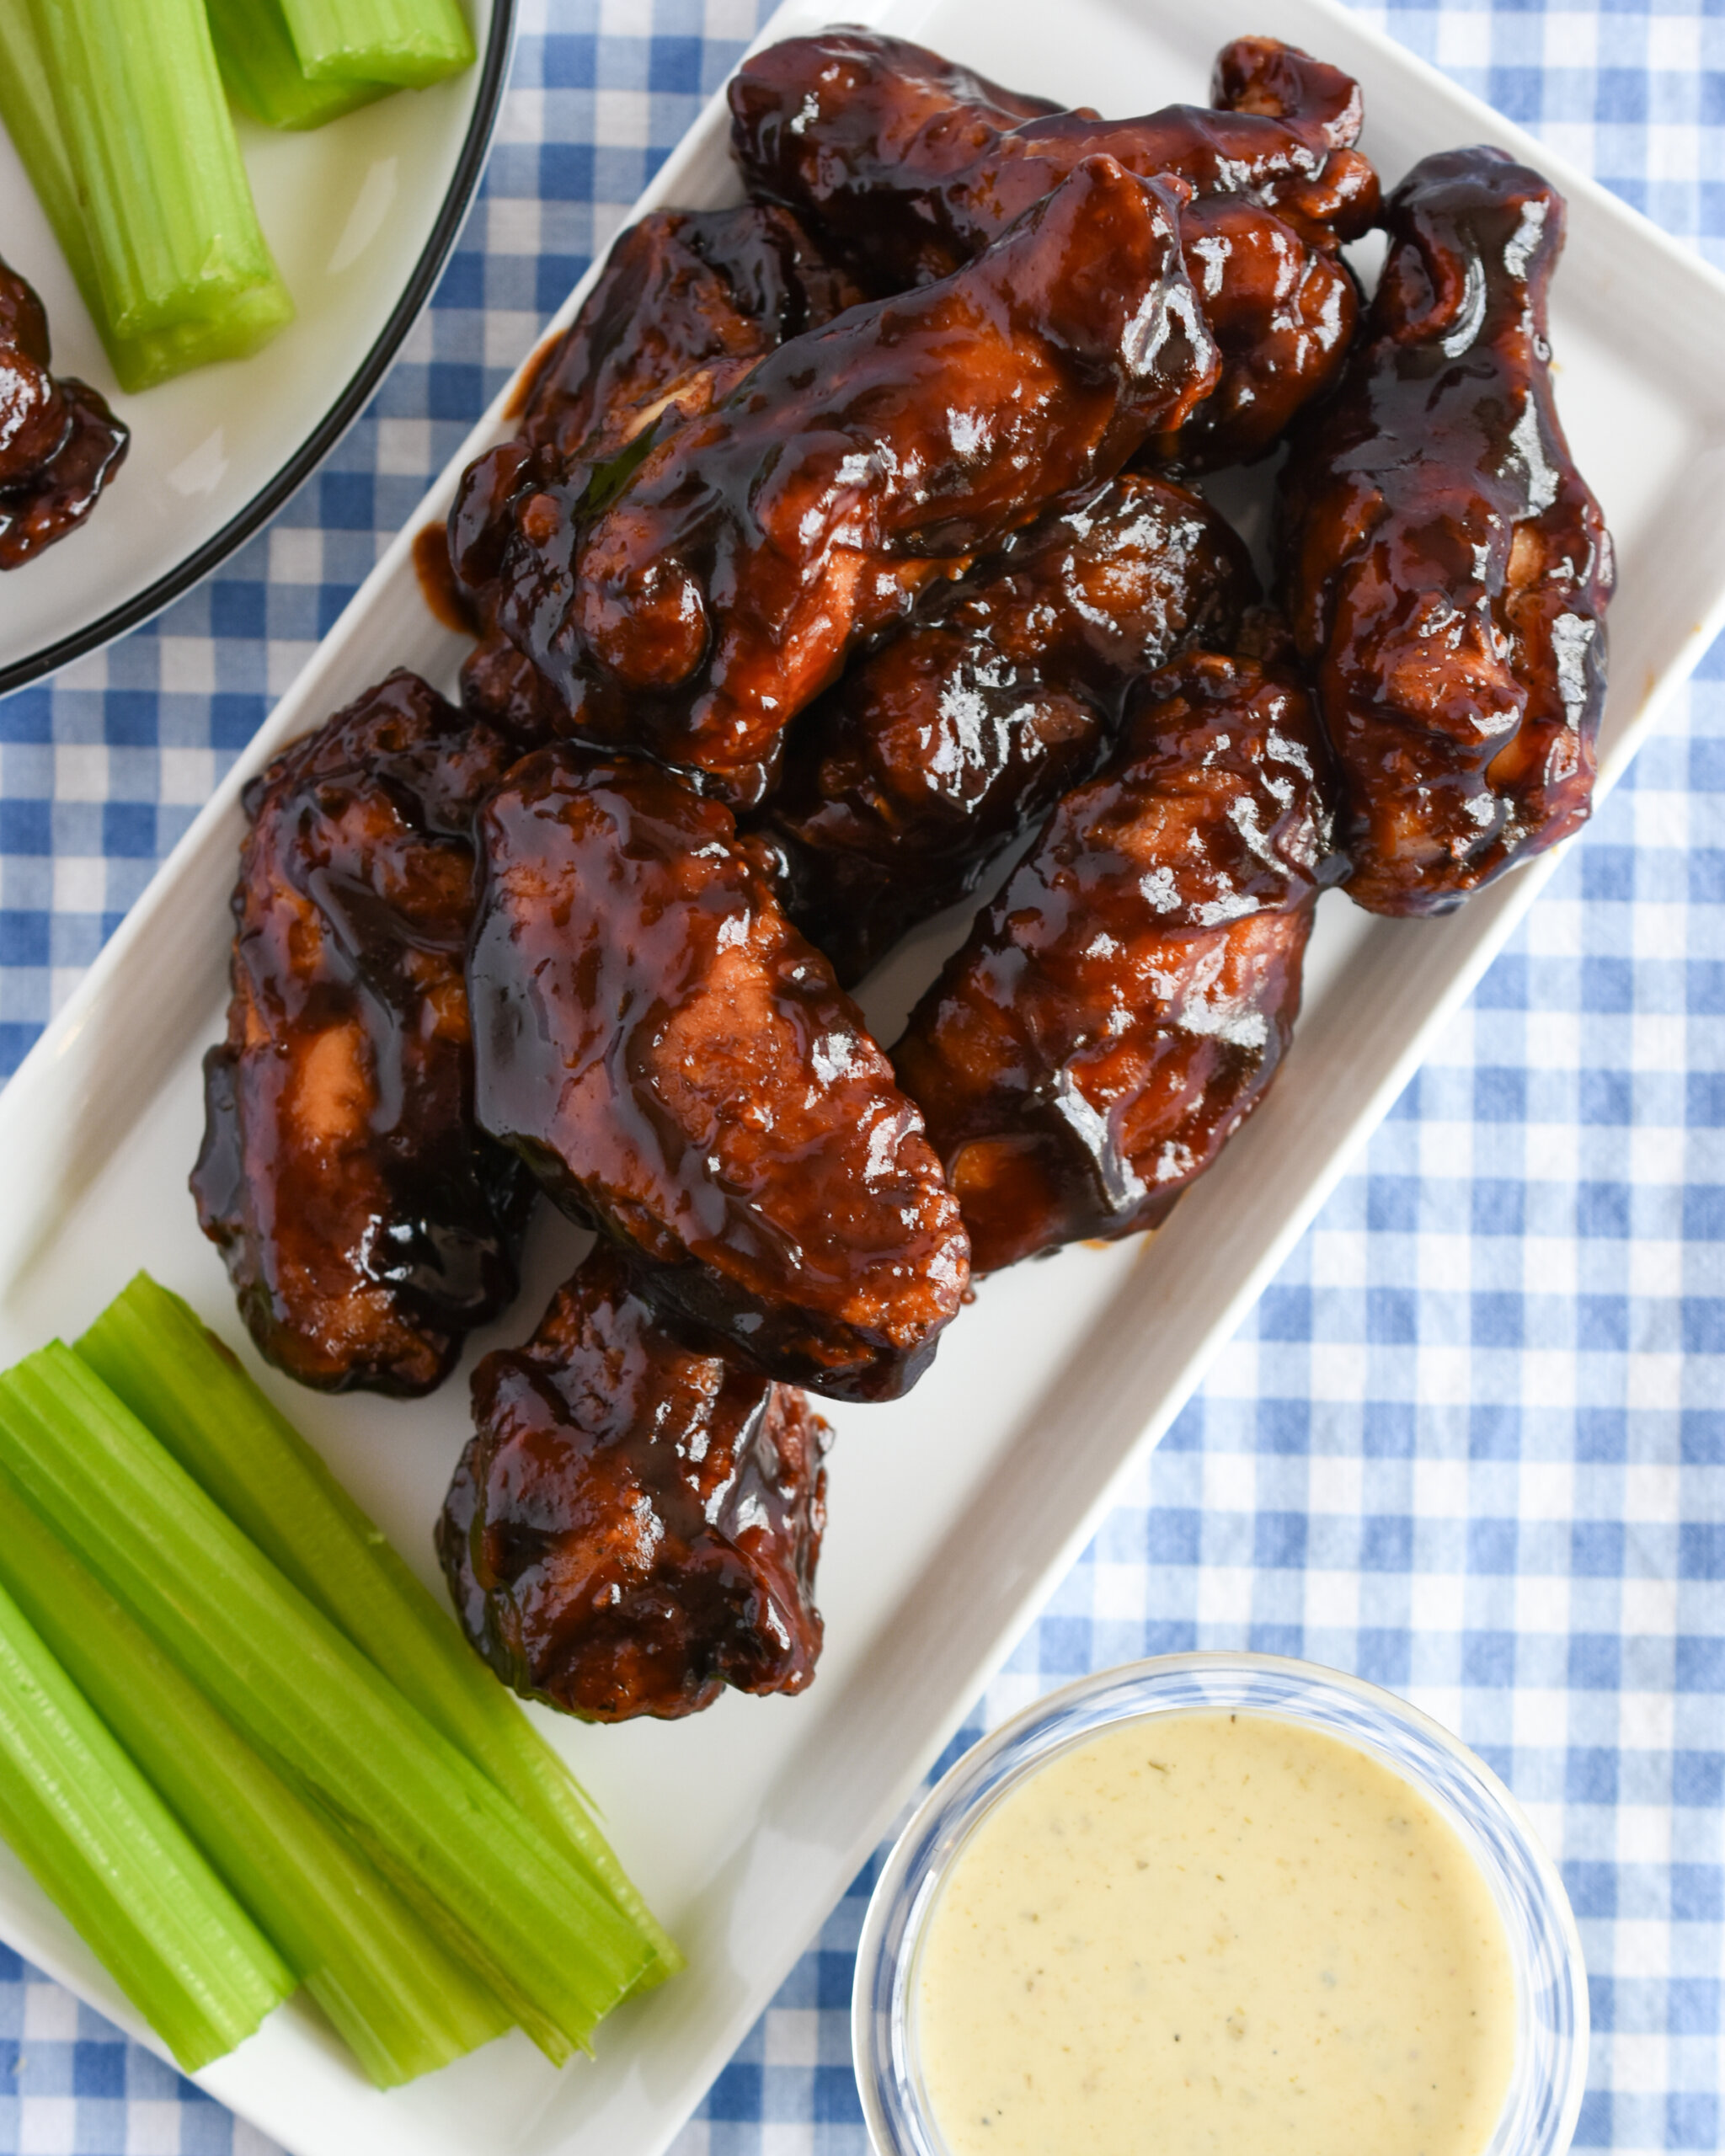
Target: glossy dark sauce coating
(498,684)
(680,1070)
(728,584)
(32,410)
(444,599)
(903,783)
(60,445)
(1284,313)
(907,166)
(365,1225)
(687,302)
(637,1523)
(1124,1003)
(1447,569)
(683,292)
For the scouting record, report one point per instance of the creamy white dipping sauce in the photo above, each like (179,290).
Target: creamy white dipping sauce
(1216,1934)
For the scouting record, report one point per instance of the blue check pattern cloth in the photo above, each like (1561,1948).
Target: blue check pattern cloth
(1471,1443)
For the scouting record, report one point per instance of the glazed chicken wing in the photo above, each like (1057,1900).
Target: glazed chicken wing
(680,1070)
(365,1225)
(726,585)
(684,292)
(1447,568)
(905,781)
(1122,1005)
(688,300)
(60,445)
(637,1522)
(908,166)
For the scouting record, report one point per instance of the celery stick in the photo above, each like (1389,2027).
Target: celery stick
(101,1843)
(262,70)
(554,1948)
(167,207)
(409,41)
(402,2005)
(191,1391)
(27,111)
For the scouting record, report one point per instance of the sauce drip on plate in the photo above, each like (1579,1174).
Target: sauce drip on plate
(1216,1934)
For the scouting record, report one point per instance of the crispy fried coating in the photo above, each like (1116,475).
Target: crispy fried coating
(60,445)
(1124,1003)
(687,302)
(906,166)
(680,1070)
(903,783)
(1446,568)
(365,1225)
(637,1522)
(725,586)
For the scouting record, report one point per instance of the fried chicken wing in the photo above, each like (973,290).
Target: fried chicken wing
(365,1225)
(680,1070)
(60,445)
(905,781)
(726,585)
(1122,1005)
(636,1523)
(908,166)
(1447,569)
(688,300)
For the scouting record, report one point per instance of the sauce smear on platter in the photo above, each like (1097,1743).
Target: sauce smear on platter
(1215,1933)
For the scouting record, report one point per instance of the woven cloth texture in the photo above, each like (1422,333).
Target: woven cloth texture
(1471,1443)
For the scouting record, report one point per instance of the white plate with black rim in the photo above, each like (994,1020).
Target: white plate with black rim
(362,215)
(954,1512)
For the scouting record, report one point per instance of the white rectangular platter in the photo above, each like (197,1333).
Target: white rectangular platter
(954,1511)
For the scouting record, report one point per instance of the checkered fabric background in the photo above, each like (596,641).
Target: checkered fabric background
(1473,1443)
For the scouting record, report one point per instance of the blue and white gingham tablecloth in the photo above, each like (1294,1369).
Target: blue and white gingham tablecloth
(1473,1443)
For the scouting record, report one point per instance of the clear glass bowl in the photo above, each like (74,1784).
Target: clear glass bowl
(1546,2087)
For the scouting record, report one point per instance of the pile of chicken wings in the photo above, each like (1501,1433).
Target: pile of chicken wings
(848,539)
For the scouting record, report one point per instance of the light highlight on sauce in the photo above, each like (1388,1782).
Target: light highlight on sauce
(1207,1934)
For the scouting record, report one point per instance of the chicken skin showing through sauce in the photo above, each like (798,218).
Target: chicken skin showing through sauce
(726,585)
(907,166)
(686,304)
(903,783)
(681,1069)
(1447,570)
(1122,1005)
(636,1523)
(365,1225)
(60,445)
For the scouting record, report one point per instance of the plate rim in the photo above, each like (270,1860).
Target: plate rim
(289,477)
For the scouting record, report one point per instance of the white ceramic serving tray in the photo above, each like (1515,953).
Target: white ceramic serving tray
(954,1512)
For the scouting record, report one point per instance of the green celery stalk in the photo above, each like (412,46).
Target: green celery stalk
(402,2005)
(262,70)
(184,1384)
(27,111)
(166,203)
(557,1950)
(407,42)
(101,1843)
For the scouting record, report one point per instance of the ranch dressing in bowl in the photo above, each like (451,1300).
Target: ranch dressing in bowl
(1211,1932)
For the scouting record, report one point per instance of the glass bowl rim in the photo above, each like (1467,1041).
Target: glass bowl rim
(896,2117)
